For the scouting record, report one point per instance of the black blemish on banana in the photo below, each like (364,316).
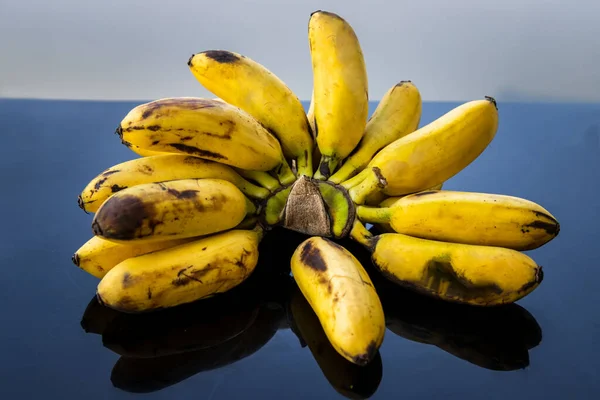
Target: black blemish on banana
(221,56)
(311,256)
(199,152)
(187,103)
(115,188)
(121,218)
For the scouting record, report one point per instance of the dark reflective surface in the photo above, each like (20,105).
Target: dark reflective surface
(58,343)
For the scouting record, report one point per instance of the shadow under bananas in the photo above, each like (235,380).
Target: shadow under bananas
(164,347)
(497,338)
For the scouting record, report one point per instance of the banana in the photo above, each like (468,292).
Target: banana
(160,168)
(97,256)
(143,152)
(397,114)
(206,128)
(181,274)
(342,295)
(469,218)
(247,84)
(143,375)
(171,210)
(341,93)
(350,380)
(462,273)
(262,178)
(430,155)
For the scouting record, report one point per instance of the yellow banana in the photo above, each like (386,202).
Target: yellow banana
(463,273)
(350,380)
(160,168)
(143,152)
(97,256)
(206,128)
(431,155)
(181,274)
(342,295)
(397,114)
(467,217)
(247,84)
(171,210)
(341,98)
(261,177)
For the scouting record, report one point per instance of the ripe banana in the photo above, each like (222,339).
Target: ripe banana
(341,98)
(171,210)
(247,84)
(97,256)
(342,295)
(430,155)
(350,380)
(467,217)
(462,273)
(160,168)
(143,152)
(206,128)
(181,274)
(397,115)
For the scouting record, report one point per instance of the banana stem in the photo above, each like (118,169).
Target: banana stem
(250,207)
(252,190)
(373,183)
(350,183)
(361,234)
(262,178)
(305,165)
(285,173)
(260,232)
(373,215)
(326,167)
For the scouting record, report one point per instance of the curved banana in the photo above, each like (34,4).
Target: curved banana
(206,128)
(97,256)
(261,177)
(397,114)
(171,210)
(341,98)
(160,168)
(462,273)
(350,380)
(467,217)
(181,274)
(247,84)
(342,295)
(430,155)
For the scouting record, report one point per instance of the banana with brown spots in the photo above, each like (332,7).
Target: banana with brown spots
(160,168)
(205,128)
(342,295)
(171,210)
(181,274)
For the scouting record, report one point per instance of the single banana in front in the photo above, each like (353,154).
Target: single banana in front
(205,128)
(171,210)
(341,93)
(462,273)
(469,218)
(97,256)
(247,84)
(160,168)
(181,274)
(431,155)
(340,292)
(397,115)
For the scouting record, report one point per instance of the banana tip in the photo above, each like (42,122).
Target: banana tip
(75,259)
(119,131)
(189,63)
(492,100)
(80,203)
(539,274)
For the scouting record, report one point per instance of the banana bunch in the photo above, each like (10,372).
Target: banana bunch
(183,221)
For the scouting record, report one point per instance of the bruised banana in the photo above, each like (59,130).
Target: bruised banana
(171,210)
(341,98)
(206,128)
(469,218)
(97,256)
(462,273)
(397,115)
(350,380)
(181,274)
(342,296)
(430,155)
(159,169)
(247,84)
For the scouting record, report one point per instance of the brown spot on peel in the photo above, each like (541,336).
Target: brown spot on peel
(221,56)
(367,356)
(194,150)
(311,257)
(121,217)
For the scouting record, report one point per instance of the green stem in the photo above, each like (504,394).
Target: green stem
(285,174)
(350,183)
(250,207)
(374,215)
(262,178)
(373,183)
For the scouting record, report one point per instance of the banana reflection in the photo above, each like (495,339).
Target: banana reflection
(348,379)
